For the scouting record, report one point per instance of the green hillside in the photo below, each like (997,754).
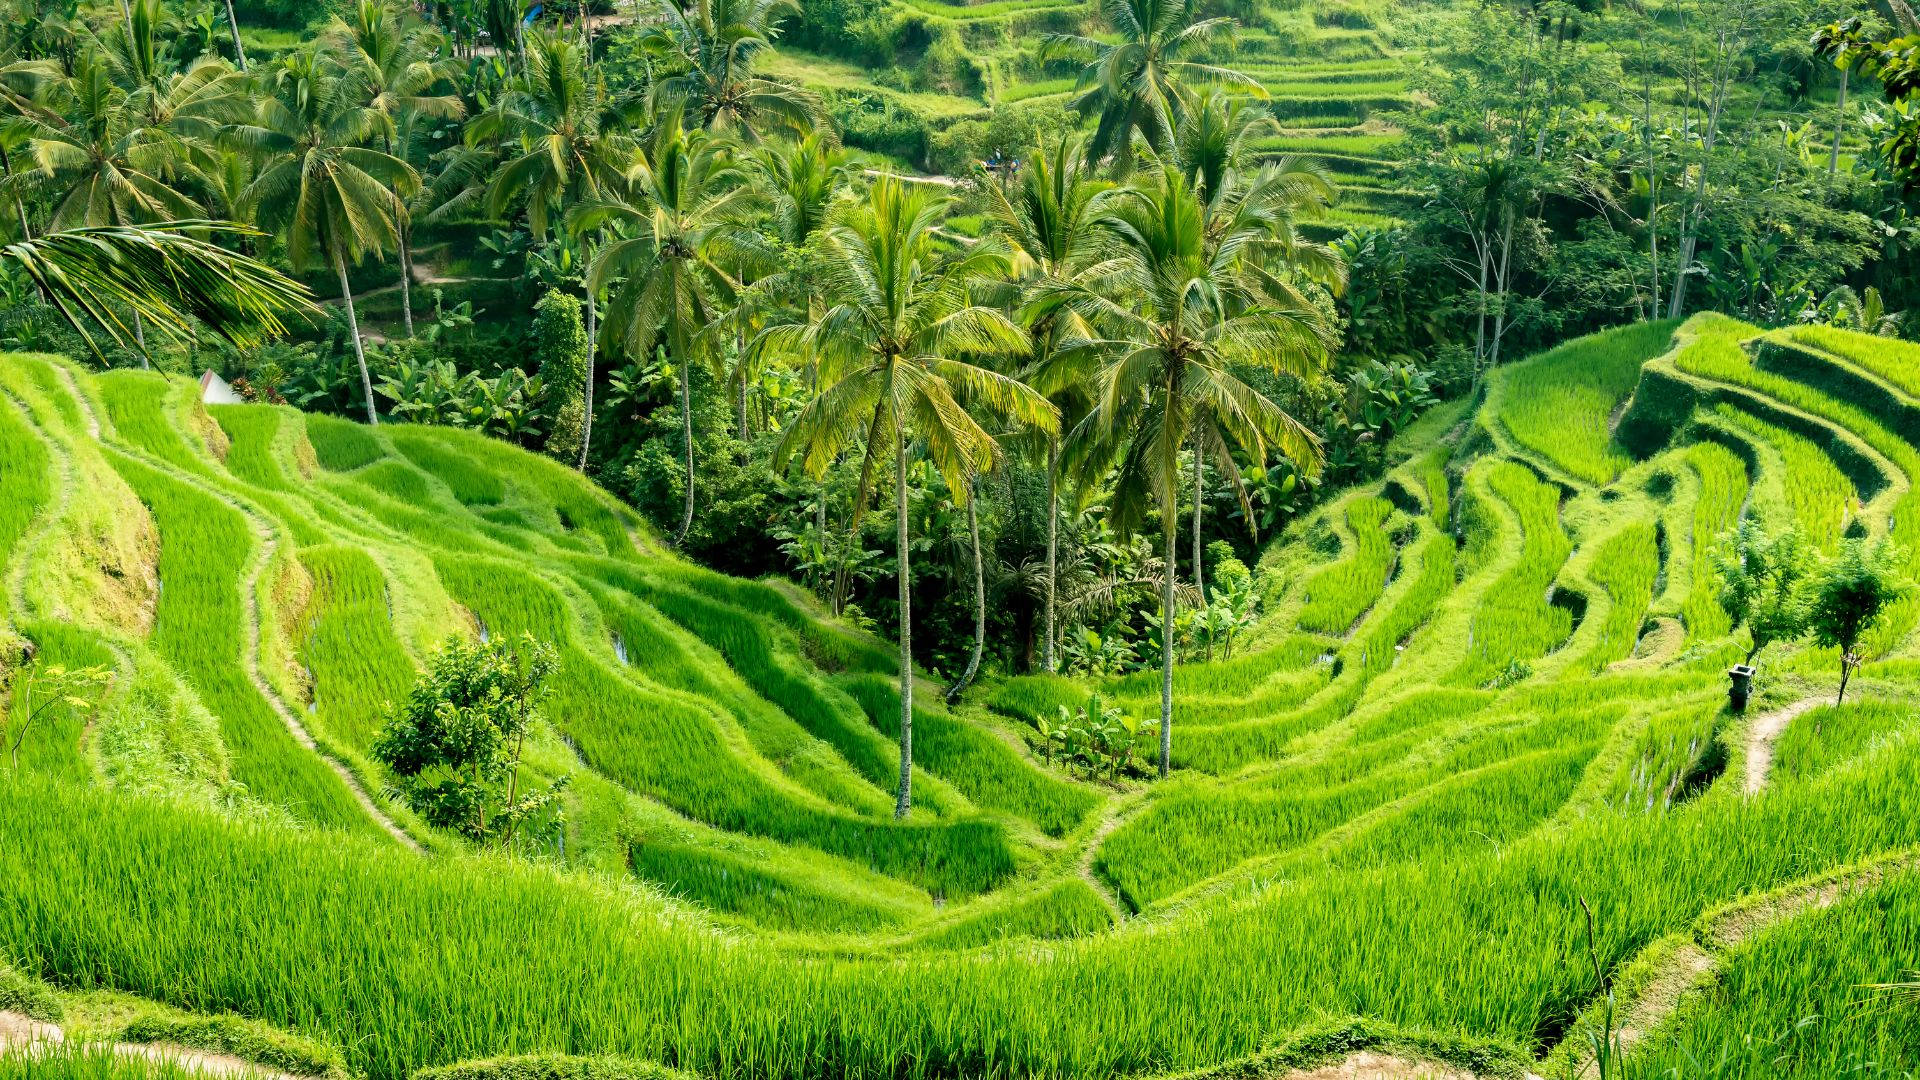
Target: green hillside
(1486,698)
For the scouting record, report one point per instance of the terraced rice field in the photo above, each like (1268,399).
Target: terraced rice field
(1485,691)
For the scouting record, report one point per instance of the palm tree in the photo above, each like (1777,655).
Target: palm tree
(332,198)
(802,179)
(23,87)
(717,44)
(898,314)
(1263,204)
(1191,306)
(1049,219)
(398,66)
(1132,86)
(170,274)
(565,143)
(676,231)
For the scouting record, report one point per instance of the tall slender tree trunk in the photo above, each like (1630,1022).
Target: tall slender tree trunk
(239,50)
(353,327)
(1170,527)
(1053,550)
(1847,663)
(593,354)
(906,620)
(1839,125)
(19,207)
(140,339)
(979,596)
(686,431)
(1199,573)
(406,273)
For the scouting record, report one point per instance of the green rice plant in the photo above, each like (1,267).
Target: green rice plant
(988,771)
(136,403)
(1627,565)
(1068,909)
(1821,497)
(1516,622)
(88,1063)
(1677,752)
(52,747)
(1493,806)
(1196,833)
(25,485)
(1372,650)
(777,701)
(204,545)
(1722,494)
(1896,361)
(1829,993)
(818,755)
(1825,736)
(552,1067)
(1558,404)
(348,646)
(470,484)
(250,431)
(740,886)
(1026,91)
(234,1036)
(342,445)
(1339,594)
(1414,945)
(680,758)
(397,479)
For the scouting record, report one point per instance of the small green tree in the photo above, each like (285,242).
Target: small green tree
(1853,590)
(1764,579)
(455,742)
(560,340)
(38,689)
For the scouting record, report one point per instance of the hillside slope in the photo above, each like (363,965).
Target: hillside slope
(1485,691)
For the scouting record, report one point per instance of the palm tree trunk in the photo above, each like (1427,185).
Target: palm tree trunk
(353,327)
(19,207)
(1053,547)
(140,339)
(1170,527)
(1199,582)
(906,623)
(686,431)
(979,596)
(1839,124)
(593,350)
(239,51)
(406,274)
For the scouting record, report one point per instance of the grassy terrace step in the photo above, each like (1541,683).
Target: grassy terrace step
(1445,733)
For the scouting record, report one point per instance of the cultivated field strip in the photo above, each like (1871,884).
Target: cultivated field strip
(1486,688)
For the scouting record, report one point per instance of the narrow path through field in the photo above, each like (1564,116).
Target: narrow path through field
(1763,733)
(250,660)
(1368,1065)
(1115,814)
(1690,966)
(24,1035)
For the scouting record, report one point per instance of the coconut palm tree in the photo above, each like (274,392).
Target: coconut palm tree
(899,318)
(398,64)
(1263,203)
(677,232)
(330,197)
(716,44)
(1049,219)
(1176,305)
(171,275)
(1132,86)
(565,145)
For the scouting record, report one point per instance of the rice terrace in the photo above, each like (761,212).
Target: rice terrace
(1163,539)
